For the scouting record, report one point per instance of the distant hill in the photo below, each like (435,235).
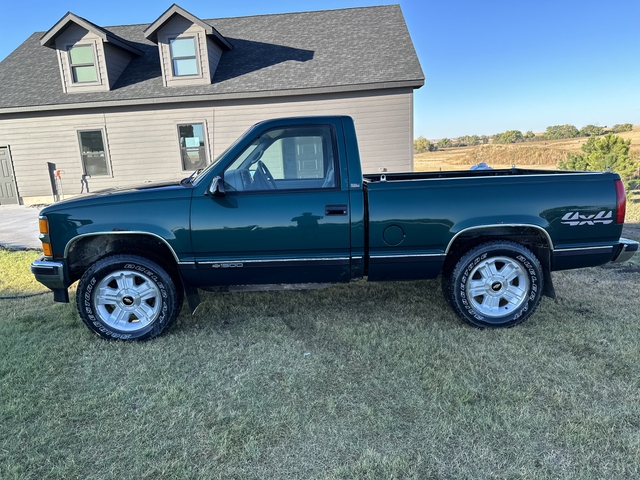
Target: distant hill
(541,154)
(634,136)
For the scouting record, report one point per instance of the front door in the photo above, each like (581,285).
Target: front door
(8,194)
(283,218)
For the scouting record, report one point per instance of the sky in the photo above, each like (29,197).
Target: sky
(489,65)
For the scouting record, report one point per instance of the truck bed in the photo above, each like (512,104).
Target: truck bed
(393,177)
(415,217)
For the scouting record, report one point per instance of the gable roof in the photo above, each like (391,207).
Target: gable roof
(49,38)
(151,32)
(274,55)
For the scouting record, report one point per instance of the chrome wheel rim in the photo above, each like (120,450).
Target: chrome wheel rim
(497,286)
(127,301)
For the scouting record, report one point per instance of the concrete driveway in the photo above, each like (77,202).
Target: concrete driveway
(19,226)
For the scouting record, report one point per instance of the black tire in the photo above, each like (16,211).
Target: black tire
(127,297)
(495,285)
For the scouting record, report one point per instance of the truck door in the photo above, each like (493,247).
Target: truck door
(283,217)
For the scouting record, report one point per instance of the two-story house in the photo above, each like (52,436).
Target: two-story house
(115,106)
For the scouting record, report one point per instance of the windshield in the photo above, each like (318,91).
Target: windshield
(200,174)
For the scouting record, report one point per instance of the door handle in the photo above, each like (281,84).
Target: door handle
(335,210)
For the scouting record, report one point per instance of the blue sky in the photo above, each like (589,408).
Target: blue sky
(490,65)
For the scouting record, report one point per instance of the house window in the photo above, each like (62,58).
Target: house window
(83,67)
(192,147)
(183,56)
(94,158)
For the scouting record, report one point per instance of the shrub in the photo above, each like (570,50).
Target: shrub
(510,136)
(591,131)
(556,132)
(599,153)
(445,142)
(421,145)
(624,127)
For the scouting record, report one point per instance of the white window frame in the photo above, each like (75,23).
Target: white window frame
(95,64)
(196,56)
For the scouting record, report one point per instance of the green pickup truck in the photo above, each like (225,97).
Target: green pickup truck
(287,204)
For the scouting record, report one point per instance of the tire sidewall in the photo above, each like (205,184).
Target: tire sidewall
(85,297)
(464,268)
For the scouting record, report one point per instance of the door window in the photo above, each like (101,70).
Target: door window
(286,158)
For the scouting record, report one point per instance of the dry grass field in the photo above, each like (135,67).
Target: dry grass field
(542,154)
(634,136)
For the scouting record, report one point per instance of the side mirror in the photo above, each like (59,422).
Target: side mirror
(216,188)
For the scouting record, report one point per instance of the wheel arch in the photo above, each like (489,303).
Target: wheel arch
(83,250)
(534,237)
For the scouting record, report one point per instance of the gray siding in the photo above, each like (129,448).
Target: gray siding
(215,52)
(383,121)
(116,60)
(142,143)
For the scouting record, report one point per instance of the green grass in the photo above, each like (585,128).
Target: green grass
(357,381)
(16,277)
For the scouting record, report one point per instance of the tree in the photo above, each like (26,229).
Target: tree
(421,145)
(445,142)
(599,153)
(591,131)
(510,136)
(473,140)
(529,136)
(556,132)
(619,128)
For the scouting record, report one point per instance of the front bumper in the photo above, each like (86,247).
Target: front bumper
(627,249)
(52,275)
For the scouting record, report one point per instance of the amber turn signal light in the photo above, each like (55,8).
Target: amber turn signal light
(43,223)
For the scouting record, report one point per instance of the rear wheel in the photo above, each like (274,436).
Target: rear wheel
(127,297)
(496,284)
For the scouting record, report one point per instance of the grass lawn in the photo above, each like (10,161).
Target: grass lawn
(356,381)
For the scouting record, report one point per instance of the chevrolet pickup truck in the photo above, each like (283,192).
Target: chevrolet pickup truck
(287,204)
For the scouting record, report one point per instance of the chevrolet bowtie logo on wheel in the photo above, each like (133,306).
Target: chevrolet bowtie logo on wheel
(574,218)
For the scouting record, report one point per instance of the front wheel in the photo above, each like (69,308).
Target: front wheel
(127,297)
(496,284)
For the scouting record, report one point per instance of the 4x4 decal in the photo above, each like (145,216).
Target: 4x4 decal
(574,218)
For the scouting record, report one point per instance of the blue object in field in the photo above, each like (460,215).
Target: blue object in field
(481,166)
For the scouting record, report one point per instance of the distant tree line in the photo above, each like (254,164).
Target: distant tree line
(421,144)
(558,132)
(554,132)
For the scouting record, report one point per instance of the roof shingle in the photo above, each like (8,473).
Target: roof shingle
(331,50)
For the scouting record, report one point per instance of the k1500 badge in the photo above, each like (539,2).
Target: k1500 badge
(574,218)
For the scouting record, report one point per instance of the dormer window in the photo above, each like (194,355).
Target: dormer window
(90,58)
(190,49)
(183,56)
(82,62)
